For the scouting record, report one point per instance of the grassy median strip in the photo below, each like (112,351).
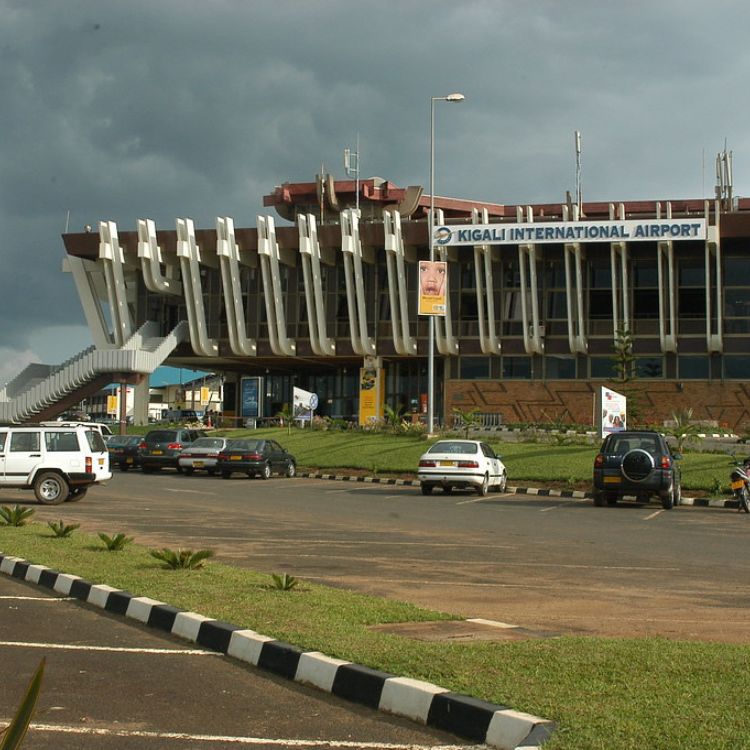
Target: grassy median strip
(603,692)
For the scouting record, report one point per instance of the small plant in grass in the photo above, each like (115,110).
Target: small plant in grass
(61,530)
(284,582)
(15,516)
(182,558)
(12,736)
(116,542)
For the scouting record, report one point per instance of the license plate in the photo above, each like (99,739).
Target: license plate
(446,463)
(198,464)
(611,480)
(235,458)
(156,453)
(129,460)
(737,484)
(101,462)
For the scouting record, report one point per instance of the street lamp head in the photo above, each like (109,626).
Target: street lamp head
(455,97)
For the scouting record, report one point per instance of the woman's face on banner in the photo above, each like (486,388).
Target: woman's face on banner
(431,278)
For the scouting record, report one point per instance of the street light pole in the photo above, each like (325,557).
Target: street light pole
(431,230)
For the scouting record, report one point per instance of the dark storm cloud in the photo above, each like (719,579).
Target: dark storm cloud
(121,110)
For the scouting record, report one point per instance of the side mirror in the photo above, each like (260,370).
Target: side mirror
(677,456)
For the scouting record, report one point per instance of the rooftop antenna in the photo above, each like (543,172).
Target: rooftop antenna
(579,195)
(724,176)
(351,166)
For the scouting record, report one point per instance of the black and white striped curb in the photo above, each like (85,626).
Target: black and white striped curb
(415,483)
(498,726)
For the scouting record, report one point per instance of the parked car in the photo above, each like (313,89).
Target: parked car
(636,463)
(160,448)
(462,464)
(255,458)
(124,451)
(58,462)
(202,455)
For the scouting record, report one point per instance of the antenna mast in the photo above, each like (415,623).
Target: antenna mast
(579,195)
(351,166)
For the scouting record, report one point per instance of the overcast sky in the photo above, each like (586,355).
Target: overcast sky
(163,109)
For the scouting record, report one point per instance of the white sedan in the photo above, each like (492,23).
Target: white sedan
(461,464)
(201,455)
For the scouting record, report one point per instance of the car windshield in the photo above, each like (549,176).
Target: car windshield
(161,436)
(208,443)
(454,446)
(619,445)
(242,445)
(119,441)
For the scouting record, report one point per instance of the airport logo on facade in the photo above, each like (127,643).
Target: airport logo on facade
(629,230)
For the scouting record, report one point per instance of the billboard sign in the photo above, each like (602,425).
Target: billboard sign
(433,287)
(614,415)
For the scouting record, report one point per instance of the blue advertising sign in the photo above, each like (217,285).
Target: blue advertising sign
(249,390)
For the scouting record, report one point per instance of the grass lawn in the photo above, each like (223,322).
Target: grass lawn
(602,692)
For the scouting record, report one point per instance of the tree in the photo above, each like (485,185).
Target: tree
(466,420)
(684,430)
(286,415)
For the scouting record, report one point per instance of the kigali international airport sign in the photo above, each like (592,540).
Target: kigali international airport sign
(628,230)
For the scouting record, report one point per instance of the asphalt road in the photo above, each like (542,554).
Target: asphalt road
(112,684)
(546,565)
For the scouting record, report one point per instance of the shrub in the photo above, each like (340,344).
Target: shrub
(61,530)
(284,582)
(115,543)
(182,558)
(15,516)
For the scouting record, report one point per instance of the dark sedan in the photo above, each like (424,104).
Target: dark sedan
(255,458)
(124,451)
(161,448)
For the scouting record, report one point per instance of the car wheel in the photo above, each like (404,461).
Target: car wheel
(211,472)
(225,474)
(484,488)
(266,471)
(426,488)
(179,469)
(667,499)
(291,469)
(76,494)
(146,469)
(502,486)
(599,499)
(447,490)
(677,494)
(611,499)
(124,467)
(186,470)
(51,488)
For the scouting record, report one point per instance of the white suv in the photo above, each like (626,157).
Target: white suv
(59,463)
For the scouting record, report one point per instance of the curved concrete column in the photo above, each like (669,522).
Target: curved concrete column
(488,339)
(574,291)
(403,341)
(151,262)
(268,252)
(229,261)
(714,310)
(619,261)
(667,289)
(444,338)
(309,249)
(89,280)
(190,259)
(351,247)
(533,341)
(111,255)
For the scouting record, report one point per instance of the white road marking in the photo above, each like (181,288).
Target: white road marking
(191,492)
(654,514)
(39,598)
(114,649)
(184,736)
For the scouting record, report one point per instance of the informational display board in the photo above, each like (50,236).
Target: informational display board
(249,391)
(371,392)
(433,287)
(613,411)
(304,403)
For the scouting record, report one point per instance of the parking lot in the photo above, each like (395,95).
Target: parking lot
(548,566)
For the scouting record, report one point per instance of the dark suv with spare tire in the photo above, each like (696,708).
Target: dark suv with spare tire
(636,463)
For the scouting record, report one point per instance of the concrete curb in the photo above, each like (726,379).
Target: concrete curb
(495,725)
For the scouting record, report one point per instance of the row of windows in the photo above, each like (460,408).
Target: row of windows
(731,367)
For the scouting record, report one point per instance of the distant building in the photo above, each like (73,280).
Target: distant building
(536,296)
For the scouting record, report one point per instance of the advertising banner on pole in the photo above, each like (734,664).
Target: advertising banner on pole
(250,390)
(433,287)
(371,391)
(613,411)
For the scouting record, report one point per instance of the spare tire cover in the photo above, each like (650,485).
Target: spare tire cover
(637,465)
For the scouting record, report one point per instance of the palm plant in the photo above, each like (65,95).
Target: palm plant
(15,516)
(12,736)
(683,429)
(467,420)
(284,582)
(182,558)
(116,542)
(62,530)
(286,415)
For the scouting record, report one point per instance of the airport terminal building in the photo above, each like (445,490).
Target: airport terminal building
(326,284)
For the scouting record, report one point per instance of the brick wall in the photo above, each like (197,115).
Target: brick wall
(649,402)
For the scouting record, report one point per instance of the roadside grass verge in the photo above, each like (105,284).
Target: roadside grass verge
(603,692)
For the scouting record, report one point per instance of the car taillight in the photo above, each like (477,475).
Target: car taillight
(89,464)
(468,464)
(426,462)
(665,462)
(252,457)
(599,461)
(142,446)
(174,446)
